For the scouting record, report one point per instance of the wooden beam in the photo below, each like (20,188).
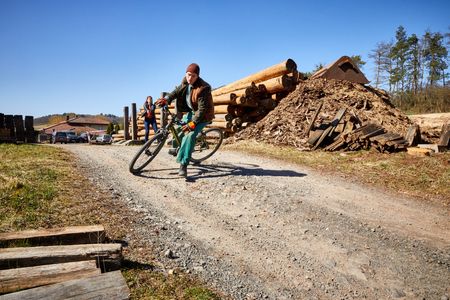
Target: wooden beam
(55,236)
(110,285)
(110,254)
(30,277)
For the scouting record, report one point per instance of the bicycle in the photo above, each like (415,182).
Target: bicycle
(207,143)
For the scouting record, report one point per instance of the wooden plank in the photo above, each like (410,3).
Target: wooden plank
(375,132)
(316,113)
(413,135)
(433,147)
(385,137)
(110,285)
(315,135)
(444,139)
(56,236)
(110,254)
(337,118)
(24,278)
(416,151)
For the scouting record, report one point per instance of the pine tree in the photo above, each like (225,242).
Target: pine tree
(413,63)
(399,56)
(435,55)
(358,61)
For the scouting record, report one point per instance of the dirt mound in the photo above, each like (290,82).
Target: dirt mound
(289,122)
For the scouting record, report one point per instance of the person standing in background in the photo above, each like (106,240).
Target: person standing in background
(149,117)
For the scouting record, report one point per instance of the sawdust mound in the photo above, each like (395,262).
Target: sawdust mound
(288,123)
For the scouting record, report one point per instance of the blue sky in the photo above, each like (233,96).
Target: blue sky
(97,56)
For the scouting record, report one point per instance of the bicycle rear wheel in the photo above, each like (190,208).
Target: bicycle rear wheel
(207,143)
(147,153)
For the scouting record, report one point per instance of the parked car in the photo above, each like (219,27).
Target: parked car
(83,137)
(72,137)
(104,139)
(60,137)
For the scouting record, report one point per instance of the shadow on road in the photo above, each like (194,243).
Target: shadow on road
(217,170)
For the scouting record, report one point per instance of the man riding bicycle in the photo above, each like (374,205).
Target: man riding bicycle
(193,97)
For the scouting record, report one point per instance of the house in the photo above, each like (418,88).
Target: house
(79,125)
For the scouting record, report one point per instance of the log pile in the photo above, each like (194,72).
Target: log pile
(333,115)
(60,264)
(248,100)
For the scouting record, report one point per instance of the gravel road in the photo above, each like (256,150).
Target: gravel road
(256,228)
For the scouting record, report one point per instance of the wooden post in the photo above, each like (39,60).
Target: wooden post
(163,117)
(126,129)
(133,122)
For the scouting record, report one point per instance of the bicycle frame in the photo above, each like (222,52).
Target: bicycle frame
(170,127)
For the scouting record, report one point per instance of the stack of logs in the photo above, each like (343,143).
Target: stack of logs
(248,100)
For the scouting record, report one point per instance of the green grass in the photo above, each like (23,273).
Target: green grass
(28,184)
(150,285)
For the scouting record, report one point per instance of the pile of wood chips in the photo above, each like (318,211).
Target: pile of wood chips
(333,115)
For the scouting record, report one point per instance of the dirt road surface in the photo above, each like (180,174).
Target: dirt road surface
(263,229)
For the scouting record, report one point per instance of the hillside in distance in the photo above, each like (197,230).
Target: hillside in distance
(56,118)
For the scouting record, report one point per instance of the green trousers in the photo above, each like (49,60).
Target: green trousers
(188,141)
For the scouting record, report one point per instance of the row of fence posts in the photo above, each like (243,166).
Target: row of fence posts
(13,129)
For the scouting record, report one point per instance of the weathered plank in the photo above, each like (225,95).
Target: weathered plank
(110,254)
(316,113)
(56,236)
(413,135)
(110,285)
(385,137)
(24,278)
(444,139)
(416,151)
(327,132)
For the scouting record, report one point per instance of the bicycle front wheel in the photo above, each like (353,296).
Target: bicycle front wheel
(207,143)
(147,153)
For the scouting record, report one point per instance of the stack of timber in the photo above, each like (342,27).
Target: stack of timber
(71,262)
(12,129)
(333,115)
(248,100)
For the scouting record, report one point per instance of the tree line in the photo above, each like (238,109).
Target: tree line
(414,70)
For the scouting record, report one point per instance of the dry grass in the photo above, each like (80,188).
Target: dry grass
(42,187)
(423,177)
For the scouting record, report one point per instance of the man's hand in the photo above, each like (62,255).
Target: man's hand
(161,102)
(188,127)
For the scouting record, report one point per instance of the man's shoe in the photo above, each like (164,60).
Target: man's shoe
(183,170)
(173,151)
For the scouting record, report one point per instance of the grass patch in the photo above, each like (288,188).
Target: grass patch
(28,185)
(423,177)
(42,187)
(146,284)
